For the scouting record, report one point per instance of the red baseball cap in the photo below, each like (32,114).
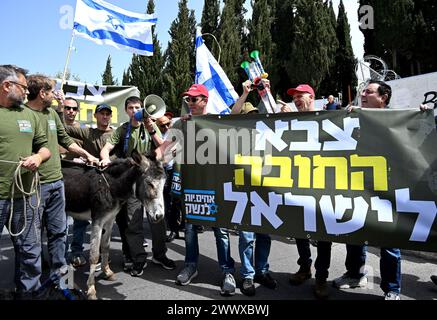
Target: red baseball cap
(301,88)
(197,90)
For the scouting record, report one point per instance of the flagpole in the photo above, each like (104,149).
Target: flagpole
(67,60)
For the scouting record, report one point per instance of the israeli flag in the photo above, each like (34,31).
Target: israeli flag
(209,73)
(103,23)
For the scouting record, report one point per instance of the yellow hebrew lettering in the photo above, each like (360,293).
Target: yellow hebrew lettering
(379,165)
(341,172)
(256,169)
(304,178)
(284,179)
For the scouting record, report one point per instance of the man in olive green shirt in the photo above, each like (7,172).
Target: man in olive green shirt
(52,209)
(20,135)
(93,140)
(135,135)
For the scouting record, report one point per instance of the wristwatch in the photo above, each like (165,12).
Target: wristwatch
(152,133)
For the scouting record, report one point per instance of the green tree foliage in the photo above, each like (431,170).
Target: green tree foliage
(146,72)
(180,58)
(332,82)
(398,23)
(209,24)
(125,79)
(345,60)
(282,36)
(107,78)
(230,41)
(310,56)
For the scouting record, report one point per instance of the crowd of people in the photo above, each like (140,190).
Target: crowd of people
(34,137)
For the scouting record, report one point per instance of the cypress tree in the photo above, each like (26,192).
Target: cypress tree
(125,80)
(282,36)
(107,78)
(209,24)
(180,57)
(309,55)
(331,82)
(345,59)
(392,39)
(230,41)
(146,72)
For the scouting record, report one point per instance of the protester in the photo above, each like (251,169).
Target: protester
(376,95)
(331,105)
(197,98)
(173,205)
(21,134)
(142,137)
(93,140)
(303,98)
(254,267)
(52,208)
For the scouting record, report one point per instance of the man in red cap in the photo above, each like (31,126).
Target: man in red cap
(303,98)
(196,98)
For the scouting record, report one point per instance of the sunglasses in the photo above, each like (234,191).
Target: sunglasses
(71,108)
(192,99)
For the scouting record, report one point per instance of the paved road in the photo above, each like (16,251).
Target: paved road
(158,284)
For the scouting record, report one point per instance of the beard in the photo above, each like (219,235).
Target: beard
(16,100)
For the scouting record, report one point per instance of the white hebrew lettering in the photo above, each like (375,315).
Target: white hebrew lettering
(309,209)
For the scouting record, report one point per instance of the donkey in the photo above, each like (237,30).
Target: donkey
(98,195)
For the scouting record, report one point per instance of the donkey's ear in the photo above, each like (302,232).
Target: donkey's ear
(136,156)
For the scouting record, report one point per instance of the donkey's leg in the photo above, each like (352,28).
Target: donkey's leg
(104,249)
(96,235)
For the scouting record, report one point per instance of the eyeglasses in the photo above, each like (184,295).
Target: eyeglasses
(24,87)
(192,99)
(70,108)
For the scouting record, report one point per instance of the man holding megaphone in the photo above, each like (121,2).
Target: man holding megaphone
(140,134)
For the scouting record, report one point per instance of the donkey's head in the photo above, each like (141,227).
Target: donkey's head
(150,185)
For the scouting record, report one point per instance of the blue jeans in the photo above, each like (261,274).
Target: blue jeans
(323,259)
(52,211)
(262,243)
(390,266)
(27,246)
(225,260)
(79,230)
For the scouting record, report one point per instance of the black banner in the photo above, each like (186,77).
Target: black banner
(369,176)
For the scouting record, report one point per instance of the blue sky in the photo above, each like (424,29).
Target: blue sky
(34,35)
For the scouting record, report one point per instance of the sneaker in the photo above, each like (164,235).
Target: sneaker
(266,280)
(299,277)
(78,261)
(392,296)
(137,269)
(228,285)
(165,262)
(321,289)
(247,287)
(186,275)
(128,264)
(347,282)
(434,279)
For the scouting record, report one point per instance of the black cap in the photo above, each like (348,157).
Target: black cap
(103,106)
